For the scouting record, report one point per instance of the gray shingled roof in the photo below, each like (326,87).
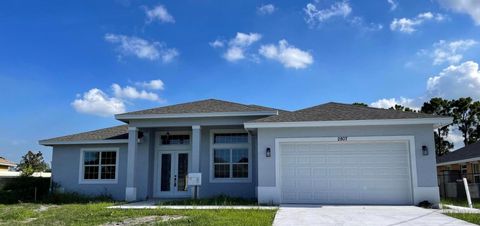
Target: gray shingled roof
(111,133)
(467,152)
(337,111)
(202,106)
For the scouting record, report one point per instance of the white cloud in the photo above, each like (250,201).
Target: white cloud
(266,9)
(456,81)
(141,48)
(159,13)
(237,46)
(96,102)
(408,26)
(244,40)
(388,103)
(314,16)
(234,53)
(217,44)
(470,7)
(153,84)
(132,93)
(393,4)
(286,54)
(450,52)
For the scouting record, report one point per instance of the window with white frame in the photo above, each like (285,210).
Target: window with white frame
(476,172)
(231,155)
(463,169)
(99,165)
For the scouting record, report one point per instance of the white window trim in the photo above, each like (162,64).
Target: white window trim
(160,146)
(230,146)
(81,180)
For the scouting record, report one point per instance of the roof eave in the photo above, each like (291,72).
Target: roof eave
(436,122)
(458,161)
(113,141)
(127,116)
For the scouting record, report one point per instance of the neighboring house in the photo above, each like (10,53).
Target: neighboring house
(464,161)
(6,165)
(329,154)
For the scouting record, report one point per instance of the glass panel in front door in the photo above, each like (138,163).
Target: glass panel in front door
(166,172)
(182,171)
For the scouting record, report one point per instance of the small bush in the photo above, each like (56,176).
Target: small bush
(22,189)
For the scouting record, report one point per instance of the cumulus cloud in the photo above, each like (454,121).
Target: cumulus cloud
(456,81)
(287,55)
(237,46)
(217,44)
(450,52)
(96,102)
(314,15)
(470,7)
(266,9)
(393,4)
(409,25)
(159,13)
(388,103)
(132,93)
(141,48)
(156,84)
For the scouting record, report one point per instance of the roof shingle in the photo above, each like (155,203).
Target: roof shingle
(467,152)
(202,106)
(111,133)
(337,111)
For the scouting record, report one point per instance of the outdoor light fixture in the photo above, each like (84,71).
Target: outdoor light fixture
(268,153)
(425,150)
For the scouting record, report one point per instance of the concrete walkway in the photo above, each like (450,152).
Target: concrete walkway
(151,204)
(362,215)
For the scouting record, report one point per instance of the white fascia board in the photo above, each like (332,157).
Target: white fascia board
(459,161)
(116,141)
(196,115)
(437,122)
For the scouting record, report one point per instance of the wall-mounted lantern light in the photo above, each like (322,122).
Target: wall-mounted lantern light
(425,150)
(268,153)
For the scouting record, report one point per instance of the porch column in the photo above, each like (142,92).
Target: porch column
(196,149)
(131,190)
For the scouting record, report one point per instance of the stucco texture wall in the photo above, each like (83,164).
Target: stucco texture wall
(423,134)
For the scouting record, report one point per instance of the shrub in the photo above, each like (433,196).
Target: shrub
(73,197)
(22,189)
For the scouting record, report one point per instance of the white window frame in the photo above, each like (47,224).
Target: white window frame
(81,179)
(475,173)
(160,146)
(213,146)
(463,166)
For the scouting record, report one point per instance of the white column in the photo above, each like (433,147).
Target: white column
(196,136)
(131,190)
(196,149)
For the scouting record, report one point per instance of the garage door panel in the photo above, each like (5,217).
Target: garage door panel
(345,173)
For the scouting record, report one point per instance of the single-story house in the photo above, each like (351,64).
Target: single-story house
(464,161)
(6,165)
(329,154)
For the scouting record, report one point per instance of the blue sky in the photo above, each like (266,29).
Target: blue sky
(67,67)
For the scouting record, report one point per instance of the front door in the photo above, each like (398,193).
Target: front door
(173,174)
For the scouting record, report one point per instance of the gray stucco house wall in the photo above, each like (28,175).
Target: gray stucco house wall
(140,146)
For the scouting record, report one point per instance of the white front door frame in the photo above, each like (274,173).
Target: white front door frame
(174,150)
(409,139)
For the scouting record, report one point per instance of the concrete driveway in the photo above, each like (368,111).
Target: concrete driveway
(361,215)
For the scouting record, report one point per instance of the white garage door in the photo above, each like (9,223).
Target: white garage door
(345,172)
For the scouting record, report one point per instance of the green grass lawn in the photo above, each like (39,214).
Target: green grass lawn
(216,201)
(461,202)
(470,217)
(97,214)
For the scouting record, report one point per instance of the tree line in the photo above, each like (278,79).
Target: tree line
(466,117)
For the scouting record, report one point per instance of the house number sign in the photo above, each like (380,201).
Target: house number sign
(340,139)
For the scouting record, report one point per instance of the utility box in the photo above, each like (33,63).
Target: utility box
(194,179)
